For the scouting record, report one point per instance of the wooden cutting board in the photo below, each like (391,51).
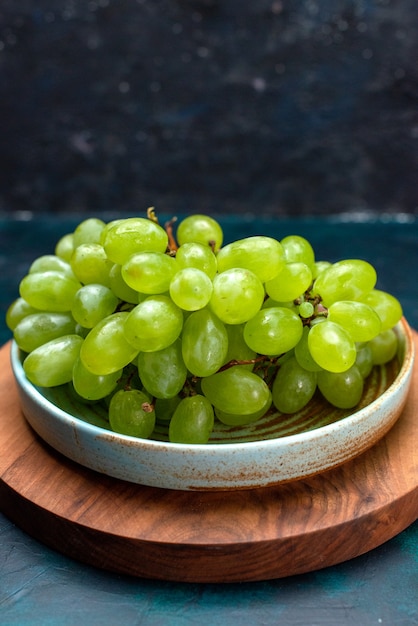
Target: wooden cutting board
(221,536)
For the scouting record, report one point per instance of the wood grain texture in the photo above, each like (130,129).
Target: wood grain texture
(206,536)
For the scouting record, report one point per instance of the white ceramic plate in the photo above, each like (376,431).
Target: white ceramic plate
(276,449)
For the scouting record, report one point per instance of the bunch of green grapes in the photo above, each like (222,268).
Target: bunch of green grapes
(186,330)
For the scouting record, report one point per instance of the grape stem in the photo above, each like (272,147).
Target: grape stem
(151,214)
(319,309)
(263,362)
(189,387)
(172,243)
(259,359)
(127,385)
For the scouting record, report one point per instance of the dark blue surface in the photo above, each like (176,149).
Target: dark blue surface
(41,587)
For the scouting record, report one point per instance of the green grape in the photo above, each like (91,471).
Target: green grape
(149,272)
(331,347)
(52,363)
(17,311)
(165,407)
(119,286)
(131,236)
(294,279)
(344,389)
(130,413)
(238,295)
(51,262)
(303,355)
(92,303)
(80,330)
(204,343)
(283,357)
(293,387)
(105,349)
(49,291)
(107,227)
(270,303)
(65,247)
(191,289)
(198,255)
(350,279)
(364,360)
(386,306)
(238,350)
(153,324)
(192,421)
(263,256)
(359,319)
(75,397)
(320,317)
(39,328)
(236,390)
(384,347)
(297,249)
(273,331)
(306,309)
(163,372)
(88,231)
(90,264)
(232,419)
(92,386)
(200,229)
(318,267)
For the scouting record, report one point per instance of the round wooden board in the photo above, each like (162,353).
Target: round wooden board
(221,536)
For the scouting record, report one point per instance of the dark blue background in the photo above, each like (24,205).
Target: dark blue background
(302,107)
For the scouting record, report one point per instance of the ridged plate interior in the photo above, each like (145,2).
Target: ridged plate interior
(316,414)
